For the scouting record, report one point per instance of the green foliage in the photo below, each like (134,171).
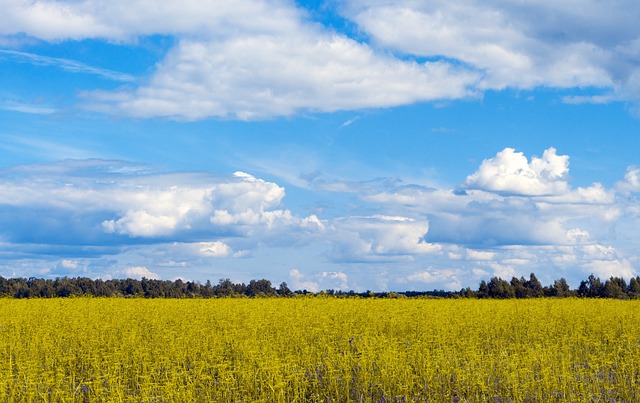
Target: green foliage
(593,287)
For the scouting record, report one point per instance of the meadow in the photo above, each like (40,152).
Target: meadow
(319,349)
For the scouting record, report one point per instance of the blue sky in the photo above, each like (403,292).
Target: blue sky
(384,145)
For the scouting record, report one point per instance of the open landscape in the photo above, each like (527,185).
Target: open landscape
(319,349)
(444,193)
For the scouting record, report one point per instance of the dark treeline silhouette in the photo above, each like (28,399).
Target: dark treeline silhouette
(498,288)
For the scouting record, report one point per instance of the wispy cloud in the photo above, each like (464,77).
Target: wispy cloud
(349,122)
(42,148)
(65,64)
(590,99)
(27,108)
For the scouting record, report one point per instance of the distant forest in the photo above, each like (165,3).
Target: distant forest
(497,288)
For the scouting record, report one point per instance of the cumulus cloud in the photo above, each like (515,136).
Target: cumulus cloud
(510,172)
(631,181)
(93,200)
(246,60)
(215,249)
(241,205)
(66,267)
(444,278)
(381,237)
(516,215)
(509,200)
(125,20)
(318,281)
(611,268)
(519,45)
(299,282)
(94,217)
(261,76)
(255,59)
(223,66)
(138,272)
(141,223)
(480,255)
(114,205)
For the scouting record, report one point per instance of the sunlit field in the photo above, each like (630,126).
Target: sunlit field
(319,350)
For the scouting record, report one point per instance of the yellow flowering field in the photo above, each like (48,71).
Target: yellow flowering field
(319,350)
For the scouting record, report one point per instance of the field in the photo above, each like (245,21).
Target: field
(319,350)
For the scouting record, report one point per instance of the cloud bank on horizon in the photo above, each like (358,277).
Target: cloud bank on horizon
(92,212)
(510,216)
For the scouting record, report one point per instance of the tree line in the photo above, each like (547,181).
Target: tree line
(496,287)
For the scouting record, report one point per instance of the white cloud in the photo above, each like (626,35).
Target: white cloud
(140,223)
(386,237)
(480,273)
(631,181)
(503,270)
(65,64)
(66,267)
(260,76)
(69,264)
(522,217)
(298,281)
(325,280)
(142,204)
(241,59)
(101,216)
(611,268)
(518,201)
(510,172)
(139,272)
(334,280)
(214,249)
(125,20)
(519,45)
(239,204)
(448,278)
(256,59)
(27,108)
(480,255)
(578,235)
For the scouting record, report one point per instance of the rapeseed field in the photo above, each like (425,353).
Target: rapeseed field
(319,350)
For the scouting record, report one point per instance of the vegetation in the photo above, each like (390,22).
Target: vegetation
(593,287)
(316,349)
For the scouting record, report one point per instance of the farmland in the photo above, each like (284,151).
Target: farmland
(319,349)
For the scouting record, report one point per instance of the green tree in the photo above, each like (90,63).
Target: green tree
(561,289)
(615,287)
(499,288)
(283,290)
(483,290)
(634,287)
(260,288)
(225,288)
(519,288)
(534,287)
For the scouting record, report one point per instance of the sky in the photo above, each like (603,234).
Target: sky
(340,144)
